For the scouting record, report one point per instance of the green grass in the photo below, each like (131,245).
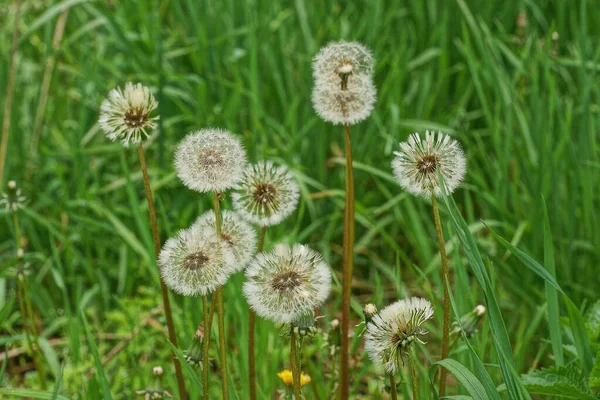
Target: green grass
(524,106)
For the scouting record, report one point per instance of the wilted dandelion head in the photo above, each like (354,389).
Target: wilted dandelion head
(266,194)
(194,262)
(126,114)
(13,199)
(417,164)
(210,160)
(344,92)
(238,236)
(394,329)
(287,283)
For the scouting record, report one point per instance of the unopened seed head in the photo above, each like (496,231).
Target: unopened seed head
(286,283)
(157,370)
(266,194)
(417,165)
(12,185)
(480,310)
(210,160)
(126,115)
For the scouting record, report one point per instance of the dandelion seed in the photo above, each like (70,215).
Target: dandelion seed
(344,92)
(13,199)
(210,160)
(287,283)
(238,236)
(418,162)
(393,330)
(126,114)
(194,263)
(266,194)
(288,380)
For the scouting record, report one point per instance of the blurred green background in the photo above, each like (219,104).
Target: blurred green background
(515,81)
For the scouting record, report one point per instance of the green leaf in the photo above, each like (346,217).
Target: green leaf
(563,382)
(465,377)
(551,293)
(33,394)
(594,382)
(97,362)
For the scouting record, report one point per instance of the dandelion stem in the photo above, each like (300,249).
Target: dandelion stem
(414,377)
(348,262)
(221,316)
(393,390)
(446,304)
(205,345)
(295,366)
(251,329)
(163,288)
(9,91)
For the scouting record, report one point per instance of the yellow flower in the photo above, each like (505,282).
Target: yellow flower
(287,379)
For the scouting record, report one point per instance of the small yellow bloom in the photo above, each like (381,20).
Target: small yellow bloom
(288,380)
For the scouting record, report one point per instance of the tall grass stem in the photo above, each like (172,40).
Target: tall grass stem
(393,390)
(251,330)
(347,266)
(205,346)
(446,303)
(163,288)
(296,371)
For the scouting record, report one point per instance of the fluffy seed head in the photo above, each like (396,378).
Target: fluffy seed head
(266,194)
(344,91)
(287,283)
(194,262)
(418,162)
(393,330)
(210,160)
(238,236)
(126,114)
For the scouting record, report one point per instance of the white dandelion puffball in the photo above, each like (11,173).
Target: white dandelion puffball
(266,194)
(194,263)
(210,160)
(417,163)
(394,329)
(343,92)
(345,106)
(125,114)
(287,283)
(238,236)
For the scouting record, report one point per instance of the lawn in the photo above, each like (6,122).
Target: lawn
(515,82)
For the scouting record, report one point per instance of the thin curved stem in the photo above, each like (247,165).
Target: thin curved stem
(446,305)
(295,367)
(251,330)
(220,312)
(414,377)
(163,288)
(205,346)
(347,266)
(393,390)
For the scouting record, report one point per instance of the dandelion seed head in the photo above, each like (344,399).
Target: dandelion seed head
(238,236)
(13,200)
(394,329)
(344,92)
(418,162)
(345,106)
(126,114)
(266,194)
(194,262)
(210,160)
(287,283)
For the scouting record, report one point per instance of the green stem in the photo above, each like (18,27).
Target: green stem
(205,346)
(446,304)
(251,331)
(221,316)
(163,288)
(347,266)
(31,330)
(414,377)
(393,390)
(295,367)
